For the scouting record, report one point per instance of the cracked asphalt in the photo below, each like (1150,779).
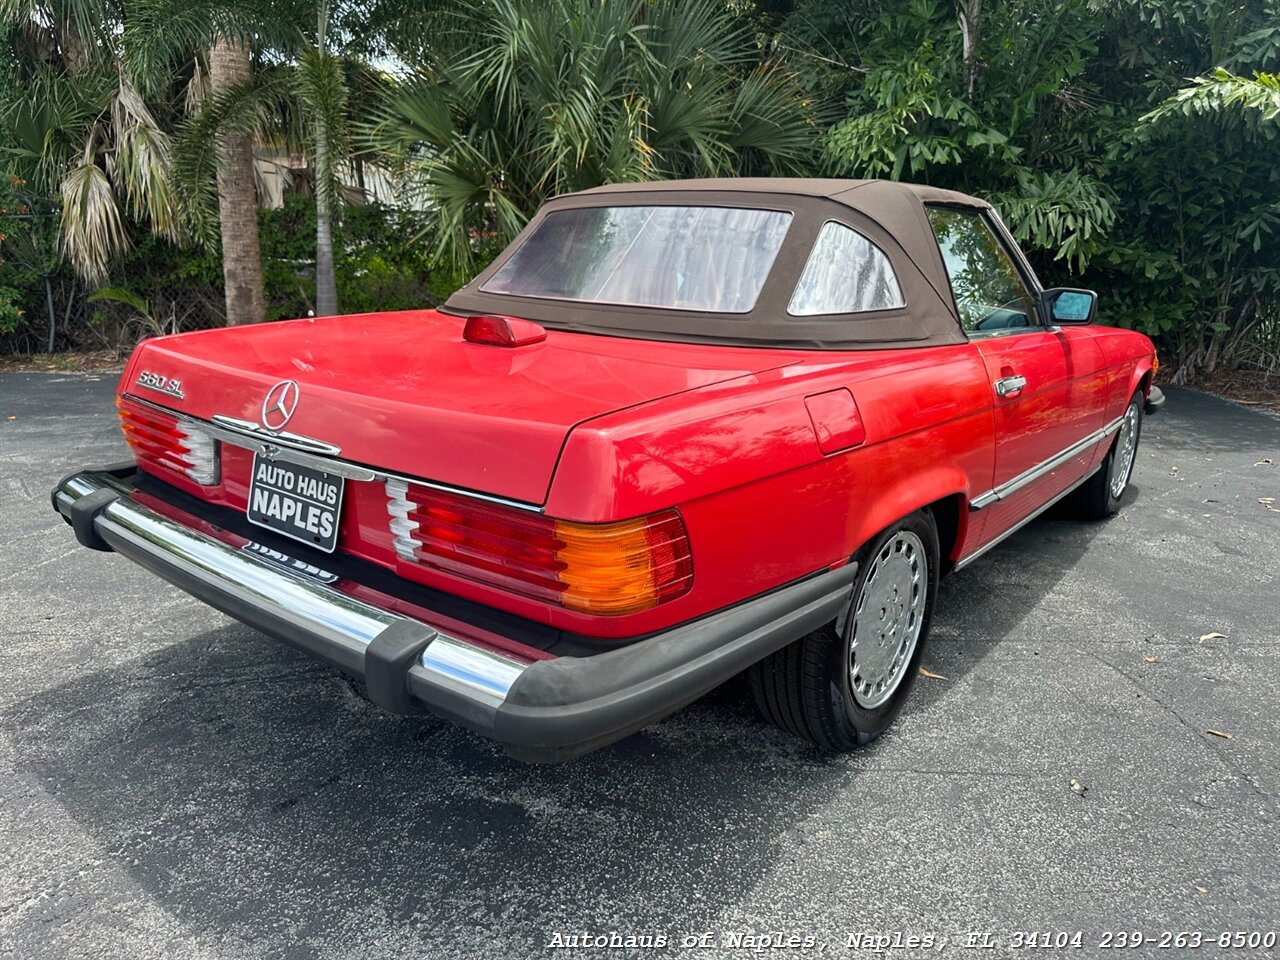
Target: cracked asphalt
(174,785)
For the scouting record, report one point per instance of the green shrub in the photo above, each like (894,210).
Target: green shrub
(12,316)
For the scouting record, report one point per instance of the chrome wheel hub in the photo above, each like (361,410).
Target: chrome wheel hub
(887,617)
(1126,449)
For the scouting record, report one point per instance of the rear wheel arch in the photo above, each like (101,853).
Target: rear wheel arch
(938,490)
(949,513)
(818,687)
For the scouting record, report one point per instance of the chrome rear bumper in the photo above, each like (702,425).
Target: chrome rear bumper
(541,709)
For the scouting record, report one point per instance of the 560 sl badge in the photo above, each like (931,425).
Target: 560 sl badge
(153,381)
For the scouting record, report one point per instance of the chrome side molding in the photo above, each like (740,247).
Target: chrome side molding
(965,561)
(1041,469)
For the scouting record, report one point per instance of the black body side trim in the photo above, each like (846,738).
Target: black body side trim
(562,708)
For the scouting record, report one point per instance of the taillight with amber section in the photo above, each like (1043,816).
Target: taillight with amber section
(599,568)
(158,438)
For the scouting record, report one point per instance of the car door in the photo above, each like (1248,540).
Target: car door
(1047,383)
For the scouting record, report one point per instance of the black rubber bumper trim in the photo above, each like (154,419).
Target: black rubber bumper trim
(83,512)
(561,708)
(555,708)
(1155,400)
(387,660)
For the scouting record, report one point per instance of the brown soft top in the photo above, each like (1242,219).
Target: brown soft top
(890,213)
(839,190)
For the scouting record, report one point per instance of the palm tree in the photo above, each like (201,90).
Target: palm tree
(529,98)
(296,97)
(168,36)
(323,92)
(89,135)
(84,136)
(237,196)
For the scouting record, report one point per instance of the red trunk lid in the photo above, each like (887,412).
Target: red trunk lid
(403,392)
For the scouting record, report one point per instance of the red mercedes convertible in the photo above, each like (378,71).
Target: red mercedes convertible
(674,432)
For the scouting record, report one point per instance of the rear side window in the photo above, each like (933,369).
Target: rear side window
(713,259)
(845,273)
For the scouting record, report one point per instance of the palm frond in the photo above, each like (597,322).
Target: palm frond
(251,107)
(765,119)
(141,162)
(321,89)
(1224,94)
(93,231)
(415,113)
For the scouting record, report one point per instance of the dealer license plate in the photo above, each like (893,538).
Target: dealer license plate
(297,501)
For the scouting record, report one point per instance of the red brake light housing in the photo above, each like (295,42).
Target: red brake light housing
(607,569)
(158,439)
(498,331)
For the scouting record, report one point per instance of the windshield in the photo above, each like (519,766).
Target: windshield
(713,259)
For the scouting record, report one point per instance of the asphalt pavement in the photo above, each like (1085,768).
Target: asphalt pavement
(175,785)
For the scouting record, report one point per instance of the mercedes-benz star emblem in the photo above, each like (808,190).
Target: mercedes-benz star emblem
(280,402)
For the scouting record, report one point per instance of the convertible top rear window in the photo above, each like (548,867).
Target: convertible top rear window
(712,259)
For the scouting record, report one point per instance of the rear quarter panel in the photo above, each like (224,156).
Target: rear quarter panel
(763,505)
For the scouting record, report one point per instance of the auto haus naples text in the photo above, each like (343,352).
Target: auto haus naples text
(295,498)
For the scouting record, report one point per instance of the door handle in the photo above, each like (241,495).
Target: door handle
(1009,386)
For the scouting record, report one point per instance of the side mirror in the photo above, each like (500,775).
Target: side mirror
(1065,305)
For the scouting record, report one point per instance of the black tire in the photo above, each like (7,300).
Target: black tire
(1099,497)
(806,688)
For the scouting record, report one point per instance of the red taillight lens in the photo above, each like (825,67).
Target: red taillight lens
(157,438)
(497,331)
(601,568)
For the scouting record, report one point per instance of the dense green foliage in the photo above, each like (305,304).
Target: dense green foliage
(168,288)
(529,98)
(1129,144)
(1077,118)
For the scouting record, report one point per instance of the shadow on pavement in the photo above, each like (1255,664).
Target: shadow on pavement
(985,603)
(248,789)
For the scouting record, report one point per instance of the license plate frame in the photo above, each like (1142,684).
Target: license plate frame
(280,491)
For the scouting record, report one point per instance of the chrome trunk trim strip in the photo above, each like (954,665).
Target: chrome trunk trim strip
(231,430)
(279,438)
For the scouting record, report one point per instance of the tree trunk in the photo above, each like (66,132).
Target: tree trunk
(326,282)
(48,303)
(970,13)
(237,196)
